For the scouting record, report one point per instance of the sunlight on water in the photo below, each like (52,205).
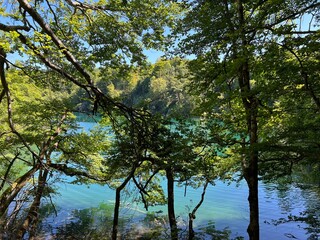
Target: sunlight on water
(225,205)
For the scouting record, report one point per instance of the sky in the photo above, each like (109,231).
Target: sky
(153,55)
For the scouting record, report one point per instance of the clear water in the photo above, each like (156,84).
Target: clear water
(225,204)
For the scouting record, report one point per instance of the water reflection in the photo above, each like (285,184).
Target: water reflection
(300,208)
(88,223)
(96,223)
(288,211)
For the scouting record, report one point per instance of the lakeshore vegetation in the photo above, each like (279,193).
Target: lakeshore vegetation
(235,96)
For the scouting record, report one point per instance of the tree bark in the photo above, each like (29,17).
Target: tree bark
(5,177)
(171,213)
(192,215)
(250,162)
(250,166)
(10,193)
(32,218)
(117,204)
(250,104)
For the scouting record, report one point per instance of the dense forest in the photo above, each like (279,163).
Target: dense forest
(236,96)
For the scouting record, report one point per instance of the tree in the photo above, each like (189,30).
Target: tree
(39,138)
(63,43)
(162,90)
(232,40)
(161,147)
(28,146)
(130,27)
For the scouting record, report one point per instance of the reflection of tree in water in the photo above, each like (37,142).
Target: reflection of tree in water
(306,196)
(311,215)
(89,223)
(209,231)
(96,223)
(285,193)
(92,223)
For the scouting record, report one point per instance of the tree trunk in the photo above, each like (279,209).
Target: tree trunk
(10,193)
(117,204)
(171,213)
(191,231)
(253,228)
(116,214)
(192,215)
(32,218)
(253,183)
(250,104)
(250,165)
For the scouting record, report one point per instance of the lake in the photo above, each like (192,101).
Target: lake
(225,206)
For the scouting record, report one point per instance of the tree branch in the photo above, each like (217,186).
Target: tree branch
(4,180)
(74,172)
(85,6)
(8,28)
(285,18)
(293,15)
(55,39)
(9,101)
(49,64)
(2,94)
(305,76)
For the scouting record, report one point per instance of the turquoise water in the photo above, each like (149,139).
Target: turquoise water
(225,204)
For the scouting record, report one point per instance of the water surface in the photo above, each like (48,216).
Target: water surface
(225,206)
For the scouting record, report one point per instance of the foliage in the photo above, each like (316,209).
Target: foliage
(214,72)
(254,76)
(253,72)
